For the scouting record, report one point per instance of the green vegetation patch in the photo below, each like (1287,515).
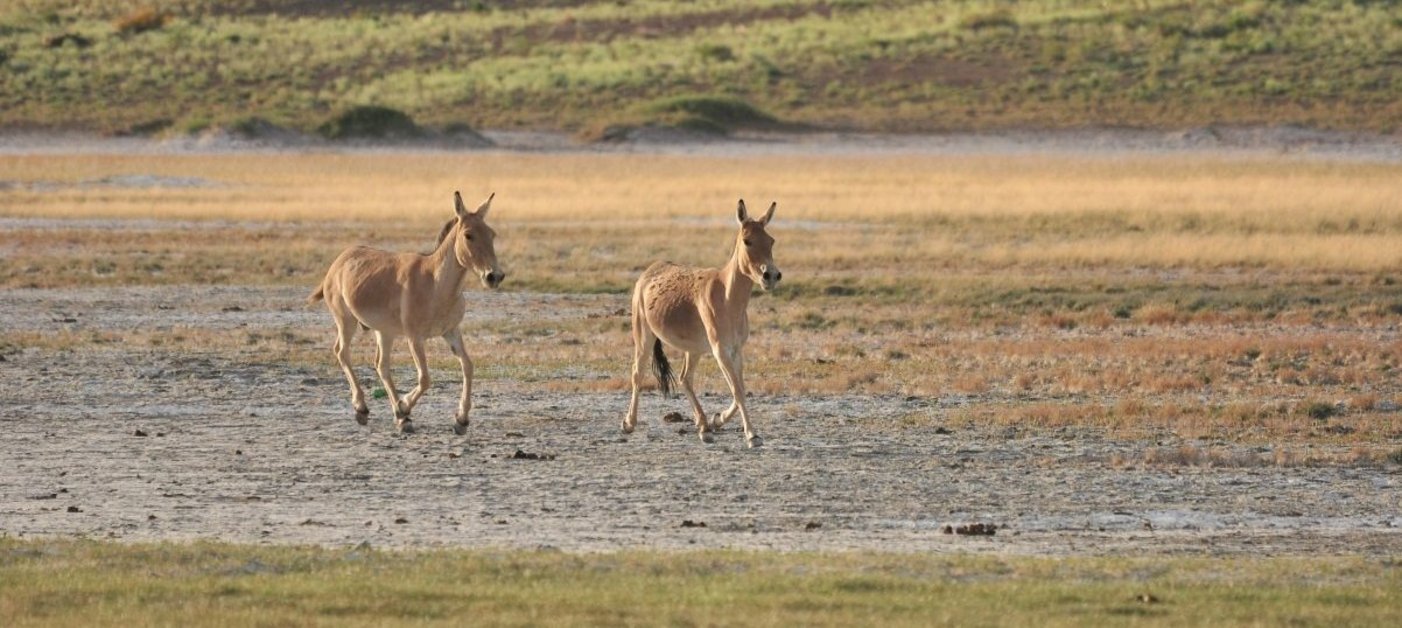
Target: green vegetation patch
(100,584)
(370,122)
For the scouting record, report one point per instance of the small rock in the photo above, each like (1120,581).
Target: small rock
(943,430)
(139,433)
(150,517)
(521,455)
(971,529)
(74,509)
(515,435)
(687,523)
(673,417)
(401,520)
(812,525)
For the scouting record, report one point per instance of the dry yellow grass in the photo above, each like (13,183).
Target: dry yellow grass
(1157,211)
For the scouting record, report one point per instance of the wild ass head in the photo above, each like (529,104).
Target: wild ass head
(472,243)
(755,248)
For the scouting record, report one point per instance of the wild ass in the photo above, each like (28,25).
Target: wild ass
(698,311)
(413,295)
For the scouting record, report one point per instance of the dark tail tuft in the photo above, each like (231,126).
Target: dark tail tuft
(665,380)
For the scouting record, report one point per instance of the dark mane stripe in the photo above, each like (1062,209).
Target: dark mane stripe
(447,228)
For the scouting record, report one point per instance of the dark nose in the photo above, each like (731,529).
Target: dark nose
(495,278)
(778,276)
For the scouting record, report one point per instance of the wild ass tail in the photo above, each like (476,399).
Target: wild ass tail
(317,296)
(665,379)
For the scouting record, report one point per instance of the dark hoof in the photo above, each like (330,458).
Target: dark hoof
(459,428)
(754,442)
(706,437)
(405,426)
(627,429)
(362,417)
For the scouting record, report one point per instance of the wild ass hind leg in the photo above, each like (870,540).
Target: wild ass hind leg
(642,343)
(345,333)
(703,428)
(385,344)
(732,366)
(454,339)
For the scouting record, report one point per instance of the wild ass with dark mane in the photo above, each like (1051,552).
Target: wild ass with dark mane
(699,311)
(412,295)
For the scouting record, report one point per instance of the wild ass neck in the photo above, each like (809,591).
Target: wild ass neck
(446,269)
(738,285)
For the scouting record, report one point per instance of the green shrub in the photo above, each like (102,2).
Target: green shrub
(715,52)
(1001,18)
(1320,410)
(709,113)
(370,122)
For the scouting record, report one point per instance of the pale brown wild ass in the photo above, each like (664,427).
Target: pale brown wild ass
(699,311)
(412,295)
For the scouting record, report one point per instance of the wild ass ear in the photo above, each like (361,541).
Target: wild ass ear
(486,205)
(458,206)
(769,214)
(740,213)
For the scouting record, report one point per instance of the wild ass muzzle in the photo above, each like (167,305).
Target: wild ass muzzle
(699,311)
(412,295)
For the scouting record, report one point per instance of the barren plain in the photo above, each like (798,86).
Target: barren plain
(188,401)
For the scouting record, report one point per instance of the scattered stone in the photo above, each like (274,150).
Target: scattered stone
(971,529)
(231,308)
(812,525)
(139,433)
(943,430)
(515,435)
(150,517)
(74,509)
(673,417)
(45,496)
(687,523)
(521,455)
(401,520)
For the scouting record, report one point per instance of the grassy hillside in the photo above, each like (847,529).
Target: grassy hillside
(889,65)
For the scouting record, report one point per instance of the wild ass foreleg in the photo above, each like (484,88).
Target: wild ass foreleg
(732,367)
(344,335)
(454,339)
(725,417)
(416,350)
(385,343)
(703,429)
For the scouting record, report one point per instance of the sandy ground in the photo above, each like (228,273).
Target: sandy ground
(145,444)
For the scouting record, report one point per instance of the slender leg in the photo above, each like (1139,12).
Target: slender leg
(401,412)
(416,350)
(642,345)
(731,367)
(703,428)
(454,339)
(345,333)
(725,417)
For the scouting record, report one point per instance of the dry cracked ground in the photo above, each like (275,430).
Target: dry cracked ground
(104,440)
